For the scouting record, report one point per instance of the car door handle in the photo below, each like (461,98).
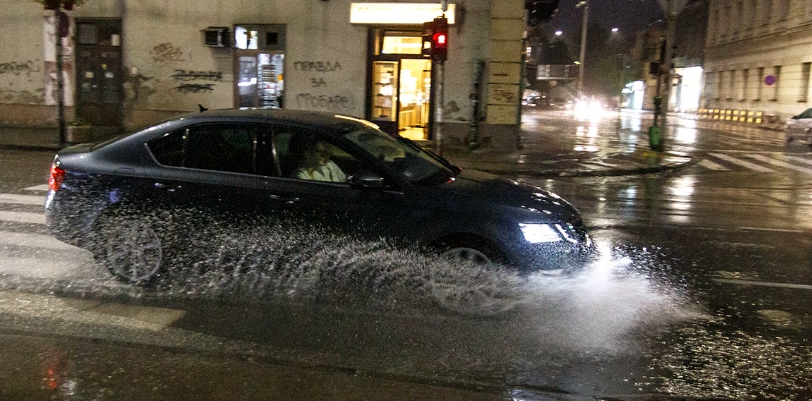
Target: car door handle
(286,199)
(168,188)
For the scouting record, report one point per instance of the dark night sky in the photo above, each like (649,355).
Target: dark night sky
(628,15)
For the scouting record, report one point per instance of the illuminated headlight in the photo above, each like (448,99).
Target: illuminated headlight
(538,233)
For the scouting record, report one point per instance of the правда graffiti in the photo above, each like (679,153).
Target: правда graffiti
(183,75)
(17,68)
(311,101)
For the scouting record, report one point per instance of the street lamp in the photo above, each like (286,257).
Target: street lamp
(585,5)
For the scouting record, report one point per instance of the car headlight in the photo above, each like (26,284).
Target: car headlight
(535,233)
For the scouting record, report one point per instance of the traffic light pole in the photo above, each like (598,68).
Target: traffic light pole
(438,114)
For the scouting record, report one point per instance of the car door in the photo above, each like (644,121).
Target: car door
(209,170)
(338,206)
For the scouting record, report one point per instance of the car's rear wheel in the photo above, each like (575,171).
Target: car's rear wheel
(130,247)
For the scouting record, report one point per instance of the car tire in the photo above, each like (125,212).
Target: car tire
(130,247)
(485,288)
(471,250)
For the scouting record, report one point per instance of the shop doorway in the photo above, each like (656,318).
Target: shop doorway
(400,90)
(98,72)
(260,66)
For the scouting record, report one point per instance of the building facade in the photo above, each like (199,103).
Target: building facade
(757,57)
(128,64)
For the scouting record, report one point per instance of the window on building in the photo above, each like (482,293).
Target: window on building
(805,67)
(777,82)
(760,83)
(783,10)
(739,12)
(715,27)
(720,84)
(767,13)
(745,79)
(733,85)
(751,14)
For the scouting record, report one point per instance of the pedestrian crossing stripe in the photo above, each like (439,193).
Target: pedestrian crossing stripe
(784,164)
(22,217)
(799,160)
(42,241)
(22,199)
(743,163)
(43,187)
(713,166)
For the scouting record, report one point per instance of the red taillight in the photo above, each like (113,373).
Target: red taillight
(57,175)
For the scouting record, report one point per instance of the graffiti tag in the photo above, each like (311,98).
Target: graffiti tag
(166,53)
(17,68)
(195,88)
(183,75)
(317,66)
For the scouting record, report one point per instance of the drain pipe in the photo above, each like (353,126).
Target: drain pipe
(476,115)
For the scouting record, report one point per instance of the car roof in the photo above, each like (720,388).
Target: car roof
(297,117)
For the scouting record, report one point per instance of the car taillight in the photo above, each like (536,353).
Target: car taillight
(57,175)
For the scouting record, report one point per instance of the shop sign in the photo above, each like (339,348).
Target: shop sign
(398,13)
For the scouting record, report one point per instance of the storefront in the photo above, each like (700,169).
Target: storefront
(400,95)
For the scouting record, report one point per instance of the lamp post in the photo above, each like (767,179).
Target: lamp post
(581,59)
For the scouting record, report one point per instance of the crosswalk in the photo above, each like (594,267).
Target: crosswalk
(757,162)
(27,249)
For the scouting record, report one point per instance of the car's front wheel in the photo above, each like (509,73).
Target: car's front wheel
(130,247)
(475,282)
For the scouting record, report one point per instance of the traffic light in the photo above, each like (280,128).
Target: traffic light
(540,10)
(439,39)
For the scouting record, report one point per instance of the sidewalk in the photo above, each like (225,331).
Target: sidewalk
(554,150)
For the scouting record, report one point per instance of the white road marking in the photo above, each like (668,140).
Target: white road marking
(746,164)
(43,187)
(799,159)
(22,217)
(713,166)
(42,241)
(764,284)
(778,230)
(22,199)
(784,164)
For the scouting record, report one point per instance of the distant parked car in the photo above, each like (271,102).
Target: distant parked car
(132,200)
(800,127)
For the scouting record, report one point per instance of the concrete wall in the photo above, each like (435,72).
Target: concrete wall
(162,41)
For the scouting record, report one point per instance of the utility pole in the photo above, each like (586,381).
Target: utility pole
(582,59)
(60,81)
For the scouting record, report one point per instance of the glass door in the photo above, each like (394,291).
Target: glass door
(400,90)
(260,79)
(414,89)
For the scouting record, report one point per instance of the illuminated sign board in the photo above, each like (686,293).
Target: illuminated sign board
(398,13)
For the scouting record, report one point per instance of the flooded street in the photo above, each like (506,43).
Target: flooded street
(701,288)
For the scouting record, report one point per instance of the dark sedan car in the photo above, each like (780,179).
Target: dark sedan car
(129,200)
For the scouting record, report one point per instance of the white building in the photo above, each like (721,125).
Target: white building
(758,55)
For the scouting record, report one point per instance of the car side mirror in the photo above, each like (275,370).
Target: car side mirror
(367,180)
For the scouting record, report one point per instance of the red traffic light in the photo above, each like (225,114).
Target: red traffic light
(439,39)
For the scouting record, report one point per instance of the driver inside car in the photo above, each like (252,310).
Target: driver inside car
(316,165)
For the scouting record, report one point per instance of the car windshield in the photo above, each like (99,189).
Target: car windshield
(401,156)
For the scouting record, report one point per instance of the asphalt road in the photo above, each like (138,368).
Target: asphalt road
(703,289)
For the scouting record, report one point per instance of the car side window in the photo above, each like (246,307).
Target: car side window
(220,147)
(307,156)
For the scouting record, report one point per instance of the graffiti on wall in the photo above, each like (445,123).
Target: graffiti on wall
(166,53)
(50,68)
(321,73)
(22,97)
(20,67)
(196,81)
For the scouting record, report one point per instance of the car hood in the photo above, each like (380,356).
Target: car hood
(494,189)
